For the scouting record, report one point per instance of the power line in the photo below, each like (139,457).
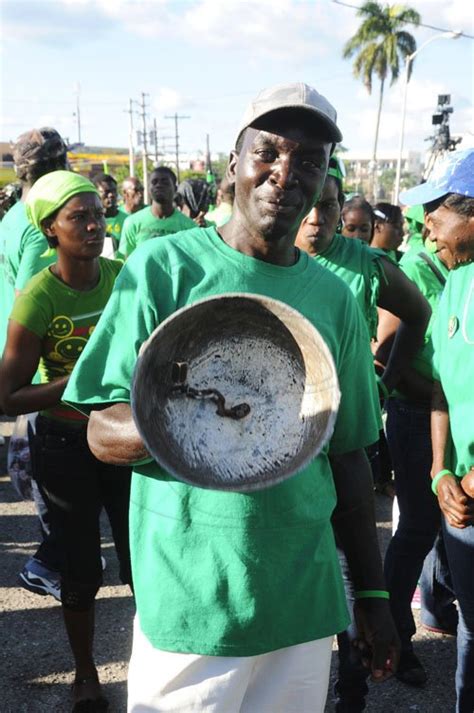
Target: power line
(416,24)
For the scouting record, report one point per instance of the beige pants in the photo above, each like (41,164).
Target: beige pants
(290,680)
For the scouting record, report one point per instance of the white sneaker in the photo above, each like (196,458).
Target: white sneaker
(37,578)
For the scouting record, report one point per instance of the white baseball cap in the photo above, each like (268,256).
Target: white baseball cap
(294,95)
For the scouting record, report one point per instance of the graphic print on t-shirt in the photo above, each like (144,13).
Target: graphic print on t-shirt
(65,341)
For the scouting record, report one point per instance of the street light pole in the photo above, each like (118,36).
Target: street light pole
(77,113)
(131,149)
(145,147)
(409,60)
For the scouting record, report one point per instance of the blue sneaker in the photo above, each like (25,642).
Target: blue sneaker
(37,578)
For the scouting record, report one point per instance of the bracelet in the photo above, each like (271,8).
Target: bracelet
(371,594)
(437,478)
(383,388)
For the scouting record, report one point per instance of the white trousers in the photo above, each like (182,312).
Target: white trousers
(290,680)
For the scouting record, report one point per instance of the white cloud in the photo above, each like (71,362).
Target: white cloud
(276,29)
(169,100)
(449,14)
(421,104)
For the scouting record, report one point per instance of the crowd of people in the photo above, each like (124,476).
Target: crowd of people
(240,594)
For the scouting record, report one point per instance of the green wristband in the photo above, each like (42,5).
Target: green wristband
(371,594)
(437,478)
(383,388)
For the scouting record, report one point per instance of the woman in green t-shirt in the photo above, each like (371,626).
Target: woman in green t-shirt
(375,281)
(358,219)
(50,324)
(388,229)
(449,205)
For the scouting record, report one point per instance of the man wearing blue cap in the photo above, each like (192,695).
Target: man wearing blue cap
(448,200)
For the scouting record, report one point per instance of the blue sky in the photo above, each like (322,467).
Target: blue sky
(207,59)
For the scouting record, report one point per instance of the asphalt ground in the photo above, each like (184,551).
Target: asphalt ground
(36,669)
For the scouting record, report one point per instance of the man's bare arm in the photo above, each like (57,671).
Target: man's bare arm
(402,298)
(411,381)
(355,528)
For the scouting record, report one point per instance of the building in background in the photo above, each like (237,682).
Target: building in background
(359,170)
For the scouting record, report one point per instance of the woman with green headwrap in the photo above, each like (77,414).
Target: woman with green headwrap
(49,326)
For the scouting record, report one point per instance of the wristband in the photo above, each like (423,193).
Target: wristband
(383,388)
(437,478)
(371,594)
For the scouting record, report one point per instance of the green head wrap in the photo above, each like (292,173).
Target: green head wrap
(415,214)
(52,191)
(337,169)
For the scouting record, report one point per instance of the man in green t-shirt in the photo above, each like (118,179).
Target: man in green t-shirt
(239,594)
(155,220)
(22,246)
(448,200)
(114,216)
(132,194)
(224,202)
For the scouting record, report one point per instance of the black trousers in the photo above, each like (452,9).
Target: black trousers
(76,486)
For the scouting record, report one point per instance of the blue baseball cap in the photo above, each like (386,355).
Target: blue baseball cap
(453,175)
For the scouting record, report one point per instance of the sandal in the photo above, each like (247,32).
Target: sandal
(89,705)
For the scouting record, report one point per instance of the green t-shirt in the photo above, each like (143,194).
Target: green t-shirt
(64,319)
(394,255)
(415,242)
(417,270)
(22,249)
(453,342)
(360,268)
(223,573)
(113,233)
(143,225)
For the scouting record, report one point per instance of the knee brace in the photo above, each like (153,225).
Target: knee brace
(78,597)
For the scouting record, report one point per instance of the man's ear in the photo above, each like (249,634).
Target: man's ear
(232,166)
(428,221)
(47,227)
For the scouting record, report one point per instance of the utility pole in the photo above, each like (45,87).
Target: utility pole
(176,118)
(208,156)
(145,149)
(77,113)
(155,140)
(131,149)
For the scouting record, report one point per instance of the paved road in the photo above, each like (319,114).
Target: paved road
(35,664)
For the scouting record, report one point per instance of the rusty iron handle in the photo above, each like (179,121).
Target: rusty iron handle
(179,372)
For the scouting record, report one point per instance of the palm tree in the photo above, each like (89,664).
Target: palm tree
(378,45)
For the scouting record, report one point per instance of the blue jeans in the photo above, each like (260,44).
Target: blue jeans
(409,440)
(460,550)
(379,459)
(437,597)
